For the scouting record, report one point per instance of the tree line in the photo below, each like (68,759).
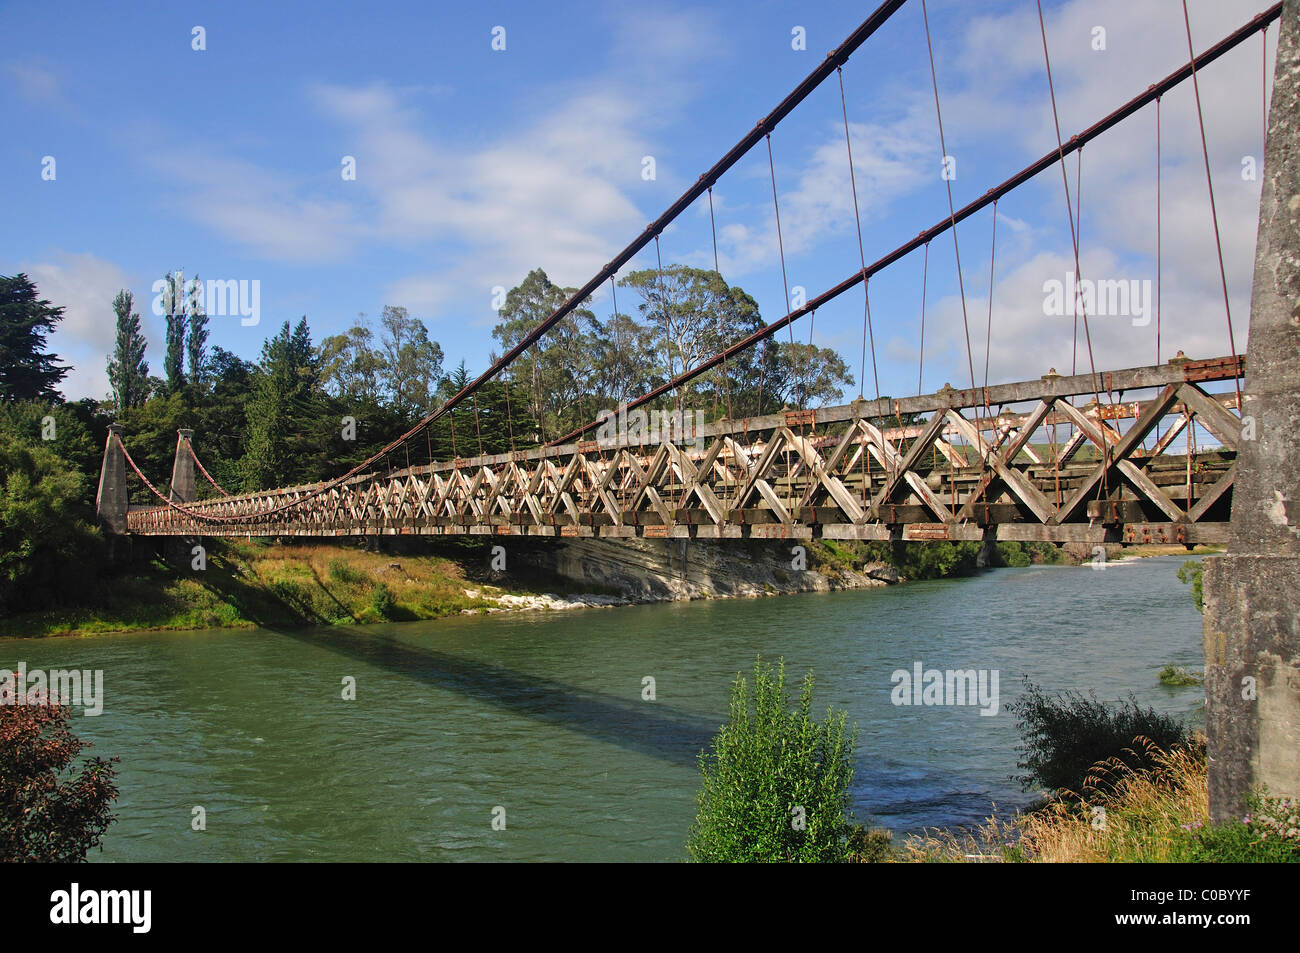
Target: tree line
(304,411)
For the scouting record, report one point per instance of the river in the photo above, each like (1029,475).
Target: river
(542,714)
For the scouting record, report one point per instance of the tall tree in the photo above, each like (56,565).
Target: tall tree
(27,372)
(128,371)
(692,315)
(412,363)
(625,361)
(560,371)
(287,426)
(808,376)
(174,338)
(196,342)
(351,366)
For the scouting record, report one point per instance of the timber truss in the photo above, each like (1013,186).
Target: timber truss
(1060,459)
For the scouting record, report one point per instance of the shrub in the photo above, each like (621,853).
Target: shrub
(48,548)
(47,814)
(1191,572)
(1064,736)
(870,845)
(1236,842)
(776,785)
(1177,676)
(383,601)
(1010,554)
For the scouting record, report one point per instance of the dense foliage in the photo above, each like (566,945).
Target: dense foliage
(27,372)
(776,784)
(48,545)
(50,810)
(1063,736)
(1192,573)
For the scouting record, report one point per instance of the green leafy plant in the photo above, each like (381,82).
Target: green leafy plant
(383,601)
(50,812)
(1064,736)
(776,784)
(1177,676)
(1269,833)
(1192,572)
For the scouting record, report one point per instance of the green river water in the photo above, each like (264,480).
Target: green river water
(542,714)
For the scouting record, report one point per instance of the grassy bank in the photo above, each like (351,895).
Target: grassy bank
(258,582)
(1153,816)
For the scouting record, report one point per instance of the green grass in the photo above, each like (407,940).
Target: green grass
(256,583)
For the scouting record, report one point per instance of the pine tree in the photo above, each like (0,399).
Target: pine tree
(128,371)
(27,372)
(285,423)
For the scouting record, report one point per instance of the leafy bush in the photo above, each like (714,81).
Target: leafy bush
(1064,736)
(383,601)
(1192,572)
(48,815)
(1011,554)
(1014,553)
(47,547)
(871,845)
(1177,676)
(1269,834)
(776,785)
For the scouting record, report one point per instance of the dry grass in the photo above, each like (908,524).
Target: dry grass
(1122,815)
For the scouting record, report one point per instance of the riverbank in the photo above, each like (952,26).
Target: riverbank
(249,583)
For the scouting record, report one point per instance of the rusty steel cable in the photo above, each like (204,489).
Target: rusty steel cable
(1209,184)
(1098,128)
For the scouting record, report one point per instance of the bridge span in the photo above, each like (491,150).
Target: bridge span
(1016,461)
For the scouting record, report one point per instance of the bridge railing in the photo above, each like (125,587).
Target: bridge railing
(956,464)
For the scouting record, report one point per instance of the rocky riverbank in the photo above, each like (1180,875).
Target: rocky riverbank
(660,570)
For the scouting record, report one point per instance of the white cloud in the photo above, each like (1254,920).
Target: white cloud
(270,214)
(35,83)
(889,159)
(84,286)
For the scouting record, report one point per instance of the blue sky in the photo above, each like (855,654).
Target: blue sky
(475,165)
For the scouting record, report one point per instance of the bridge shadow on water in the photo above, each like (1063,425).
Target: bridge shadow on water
(909,795)
(642,727)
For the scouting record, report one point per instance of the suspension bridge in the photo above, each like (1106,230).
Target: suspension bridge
(1085,457)
(1096,455)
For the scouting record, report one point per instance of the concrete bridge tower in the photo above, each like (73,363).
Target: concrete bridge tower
(1252,594)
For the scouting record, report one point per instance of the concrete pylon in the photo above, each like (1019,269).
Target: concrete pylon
(182,490)
(1252,594)
(110,499)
